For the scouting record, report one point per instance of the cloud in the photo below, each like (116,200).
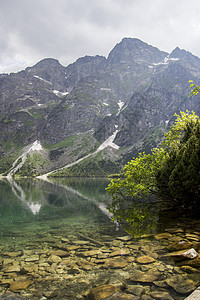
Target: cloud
(67,29)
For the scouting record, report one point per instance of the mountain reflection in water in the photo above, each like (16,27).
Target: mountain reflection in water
(58,202)
(32,202)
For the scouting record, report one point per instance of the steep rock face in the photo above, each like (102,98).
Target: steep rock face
(134,92)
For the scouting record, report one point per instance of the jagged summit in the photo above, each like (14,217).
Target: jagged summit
(45,63)
(136,50)
(89,58)
(186,56)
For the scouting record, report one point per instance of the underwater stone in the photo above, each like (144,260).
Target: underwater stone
(17,286)
(145,259)
(144,277)
(180,284)
(163,236)
(101,292)
(115,263)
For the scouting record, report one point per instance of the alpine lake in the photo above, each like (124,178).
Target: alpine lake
(57,241)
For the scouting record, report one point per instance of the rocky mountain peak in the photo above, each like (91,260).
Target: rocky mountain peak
(45,63)
(50,71)
(186,56)
(133,49)
(90,59)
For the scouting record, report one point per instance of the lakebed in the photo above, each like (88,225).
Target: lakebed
(57,242)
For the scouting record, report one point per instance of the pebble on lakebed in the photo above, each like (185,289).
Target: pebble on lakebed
(124,267)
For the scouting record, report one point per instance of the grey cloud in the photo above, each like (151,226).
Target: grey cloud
(67,29)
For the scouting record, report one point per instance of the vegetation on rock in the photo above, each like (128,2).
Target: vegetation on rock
(101,166)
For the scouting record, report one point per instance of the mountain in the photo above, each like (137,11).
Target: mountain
(127,99)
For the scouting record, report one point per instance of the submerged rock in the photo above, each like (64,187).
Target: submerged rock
(137,290)
(161,295)
(180,255)
(195,295)
(102,292)
(115,263)
(164,235)
(145,277)
(180,284)
(90,253)
(189,269)
(122,296)
(13,254)
(60,253)
(54,259)
(192,253)
(32,258)
(120,252)
(182,245)
(125,238)
(86,265)
(17,286)
(145,259)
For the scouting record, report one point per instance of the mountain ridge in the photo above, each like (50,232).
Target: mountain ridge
(72,110)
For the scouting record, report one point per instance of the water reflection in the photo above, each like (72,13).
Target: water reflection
(137,216)
(69,199)
(27,205)
(26,199)
(78,201)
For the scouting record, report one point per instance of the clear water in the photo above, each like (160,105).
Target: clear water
(35,213)
(31,207)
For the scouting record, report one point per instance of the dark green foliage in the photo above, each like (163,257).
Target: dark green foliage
(55,153)
(179,176)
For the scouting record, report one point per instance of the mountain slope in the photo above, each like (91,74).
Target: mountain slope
(72,110)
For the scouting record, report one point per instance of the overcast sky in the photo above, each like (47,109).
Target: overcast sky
(31,30)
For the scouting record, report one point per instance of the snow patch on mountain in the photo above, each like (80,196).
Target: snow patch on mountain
(166,61)
(109,142)
(42,79)
(18,163)
(60,94)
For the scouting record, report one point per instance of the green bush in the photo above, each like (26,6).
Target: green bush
(171,171)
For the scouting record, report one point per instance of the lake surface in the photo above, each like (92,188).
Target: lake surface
(57,241)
